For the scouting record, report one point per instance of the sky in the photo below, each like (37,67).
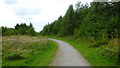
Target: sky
(38,12)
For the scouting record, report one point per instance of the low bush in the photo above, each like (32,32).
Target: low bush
(15,57)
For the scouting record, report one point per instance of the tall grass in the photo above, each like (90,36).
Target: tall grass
(27,51)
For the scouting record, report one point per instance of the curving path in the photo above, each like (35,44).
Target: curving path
(67,56)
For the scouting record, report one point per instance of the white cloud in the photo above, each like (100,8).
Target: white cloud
(39,12)
(10,1)
(7,15)
(26,11)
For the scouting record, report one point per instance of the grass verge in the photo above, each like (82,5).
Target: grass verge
(93,55)
(27,51)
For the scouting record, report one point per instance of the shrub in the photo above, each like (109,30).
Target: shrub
(15,56)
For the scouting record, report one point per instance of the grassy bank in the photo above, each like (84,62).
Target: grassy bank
(27,51)
(100,53)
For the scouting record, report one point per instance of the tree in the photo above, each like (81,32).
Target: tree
(69,22)
(20,29)
(100,20)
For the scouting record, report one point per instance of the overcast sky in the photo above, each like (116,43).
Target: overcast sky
(38,12)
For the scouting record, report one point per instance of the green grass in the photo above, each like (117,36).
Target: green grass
(91,54)
(27,51)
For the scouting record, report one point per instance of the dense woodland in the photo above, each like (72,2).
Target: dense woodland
(99,21)
(20,29)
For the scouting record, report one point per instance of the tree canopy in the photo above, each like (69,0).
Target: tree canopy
(100,20)
(20,29)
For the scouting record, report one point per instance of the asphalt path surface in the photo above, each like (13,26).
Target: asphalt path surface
(68,56)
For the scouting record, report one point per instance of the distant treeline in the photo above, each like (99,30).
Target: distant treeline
(20,29)
(99,21)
